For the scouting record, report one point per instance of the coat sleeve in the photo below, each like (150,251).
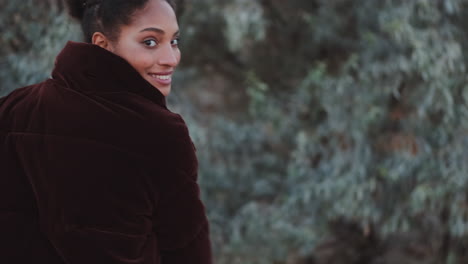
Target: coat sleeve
(181,224)
(93,202)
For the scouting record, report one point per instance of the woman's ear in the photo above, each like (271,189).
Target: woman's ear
(102,41)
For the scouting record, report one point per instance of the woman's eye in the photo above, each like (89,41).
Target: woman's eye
(150,42)
(175,42)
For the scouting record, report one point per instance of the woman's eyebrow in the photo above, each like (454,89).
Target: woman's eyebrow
(157,30)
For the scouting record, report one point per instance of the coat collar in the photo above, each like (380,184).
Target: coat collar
(90,68)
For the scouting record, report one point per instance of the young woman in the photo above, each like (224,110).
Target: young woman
(93,167)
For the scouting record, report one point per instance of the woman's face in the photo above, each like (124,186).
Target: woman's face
(150,44)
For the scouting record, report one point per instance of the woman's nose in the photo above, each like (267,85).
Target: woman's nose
(169,56)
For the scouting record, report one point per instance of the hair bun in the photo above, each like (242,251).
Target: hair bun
(77,8)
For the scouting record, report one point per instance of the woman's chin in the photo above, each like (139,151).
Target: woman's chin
(164,90)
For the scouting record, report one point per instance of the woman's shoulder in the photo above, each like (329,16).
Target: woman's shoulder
(129,120)
(52,108)
(142,111)
(18,95)
(148,128)
(19,105)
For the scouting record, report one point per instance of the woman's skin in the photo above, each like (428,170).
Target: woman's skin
(149,44)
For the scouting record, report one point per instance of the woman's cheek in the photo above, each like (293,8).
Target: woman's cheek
(143,61)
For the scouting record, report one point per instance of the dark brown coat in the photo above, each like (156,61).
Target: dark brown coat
(95,169)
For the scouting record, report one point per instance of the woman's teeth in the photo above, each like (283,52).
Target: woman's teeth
(161,77)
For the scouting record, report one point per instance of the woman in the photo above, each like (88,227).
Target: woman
(94,167)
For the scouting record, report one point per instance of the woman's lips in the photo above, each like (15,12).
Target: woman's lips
(162,78)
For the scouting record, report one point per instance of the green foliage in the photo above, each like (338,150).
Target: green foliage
(377,134)
(33,32)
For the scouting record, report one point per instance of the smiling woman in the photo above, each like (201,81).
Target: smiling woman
(95,167)
(149,44)
(144,33)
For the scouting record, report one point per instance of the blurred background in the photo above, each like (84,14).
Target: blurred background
(328,131)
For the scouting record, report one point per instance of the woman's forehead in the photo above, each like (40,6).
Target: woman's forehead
(157,14)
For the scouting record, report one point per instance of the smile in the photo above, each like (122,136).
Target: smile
(162,79)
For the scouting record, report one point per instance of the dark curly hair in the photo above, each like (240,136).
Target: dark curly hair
(106,16)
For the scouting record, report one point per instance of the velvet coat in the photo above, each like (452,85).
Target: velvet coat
(95,169)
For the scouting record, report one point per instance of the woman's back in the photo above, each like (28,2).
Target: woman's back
(96,169)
